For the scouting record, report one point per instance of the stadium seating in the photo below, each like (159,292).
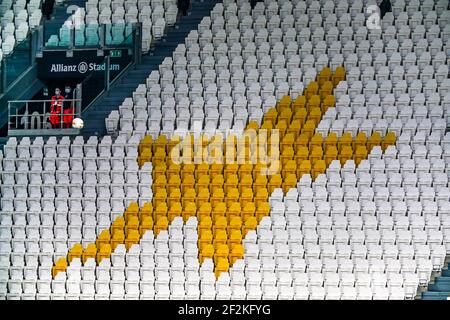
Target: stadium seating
(358,209)
(17,17)
(117,16)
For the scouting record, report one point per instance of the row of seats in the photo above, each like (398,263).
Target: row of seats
(117,17)
(17,18)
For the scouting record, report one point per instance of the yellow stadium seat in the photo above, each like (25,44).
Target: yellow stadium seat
(311,89)
(216,169)
(304,168)
(160,142)
(146,224)
(60,266)
(221,251)
(118,224)
(221,266)
(360,140)
(262,210)
(235,224)
(327,102)
(275,181)
(206,252)
(261,196)
(161,224)
(220,223)
(159,197)
(75,252)
(302,154)
(103,238)
(132,224)
(323,76)
(202,196)
(287,154)
(231,182)
(388,140)
(246,182)
(326,89)
(237,252)
(360,154)
(259,182)
(232,196)
(301,115)
(205,237)
(271,115)
(204,210)
(219,209)
(146,143)
(104,252)
(338,75)
(289,168)
(245,169)
(234,209)
(217,183)
(331,140)
(159,170)
(205,223)
(160,211)
(132,210)
(345,154)
(220,237)
(345,140)
(248,210)
(217,196)
(319,167)
(190,210)
(189,196)
(285,115)
(159,184)
(174,196)
(203,182)
(235,237)
(308,128)
(294,128)
(316,154)
(174,170)
(331,154)
(174,183)
(299,103)
(289,182)
(374,140)
(201,170)
(117,238)
(146,210)
(250,223)
(132,238)
(188,182)
(145,156)
(246,196)
(315,114)
(175,210)
(316,141)
(188,169)
(90,252)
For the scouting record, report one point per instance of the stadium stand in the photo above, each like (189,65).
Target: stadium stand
(117,16)
(17,18)
(359,208)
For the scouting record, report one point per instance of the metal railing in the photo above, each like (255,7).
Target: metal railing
(40,117)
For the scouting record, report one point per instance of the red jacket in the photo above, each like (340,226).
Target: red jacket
(55,109)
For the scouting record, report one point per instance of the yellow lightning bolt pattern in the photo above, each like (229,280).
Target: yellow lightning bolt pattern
(229,192)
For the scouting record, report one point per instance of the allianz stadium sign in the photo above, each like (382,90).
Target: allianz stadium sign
(82,67)
(55,65)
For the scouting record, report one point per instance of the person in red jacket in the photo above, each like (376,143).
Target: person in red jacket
(56,109)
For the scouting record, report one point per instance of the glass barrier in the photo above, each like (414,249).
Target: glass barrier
(91,36)
(15,63)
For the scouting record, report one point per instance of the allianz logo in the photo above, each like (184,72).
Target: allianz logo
(82,67)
